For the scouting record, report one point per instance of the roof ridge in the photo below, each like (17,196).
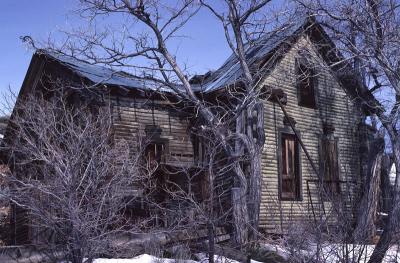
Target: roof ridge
(225,75)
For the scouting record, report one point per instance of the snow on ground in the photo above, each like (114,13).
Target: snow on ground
(333,253)
(329,253)
(145,258)
(219,259)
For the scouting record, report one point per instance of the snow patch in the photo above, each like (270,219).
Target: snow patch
(219,259)
(333,253)
(145,258)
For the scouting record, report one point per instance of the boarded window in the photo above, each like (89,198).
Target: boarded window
(305,83)
(289,168)
(330,165)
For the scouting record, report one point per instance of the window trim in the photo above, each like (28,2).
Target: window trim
(335,139)
(281,133)
(165,153)
(198,144)
(314,82)
(161,158)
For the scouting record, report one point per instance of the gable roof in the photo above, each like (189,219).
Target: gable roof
(229,73)
(226,75)
(231,70)
(102,75)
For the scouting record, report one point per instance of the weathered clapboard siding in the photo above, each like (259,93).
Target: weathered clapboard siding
(333,105)
(130,117)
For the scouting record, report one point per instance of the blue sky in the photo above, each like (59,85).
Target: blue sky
(203,49)
(25,17)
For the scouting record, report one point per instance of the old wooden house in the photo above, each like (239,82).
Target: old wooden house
(318,101)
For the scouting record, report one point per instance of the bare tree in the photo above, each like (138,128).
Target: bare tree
(367,35)
(69,178)
(224,121)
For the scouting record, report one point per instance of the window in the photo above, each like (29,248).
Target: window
(305,83)
(290,182)
(156,148)
(154,154)
(330,165)
(199,150)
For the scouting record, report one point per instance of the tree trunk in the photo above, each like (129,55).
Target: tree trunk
(211,243)
(254,195)
(76,248)
(365,229)
(246,197)
(394,214)
(258,138)
(385,184)
(240,216)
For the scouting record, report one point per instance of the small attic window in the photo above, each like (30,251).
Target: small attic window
(305,83)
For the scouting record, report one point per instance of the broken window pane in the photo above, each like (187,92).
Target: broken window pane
(305,84)
(154,154)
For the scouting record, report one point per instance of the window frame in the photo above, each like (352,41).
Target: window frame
(299,182)
(165,151)
(313,79)
(199,150)
(322,154)
(158,157)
